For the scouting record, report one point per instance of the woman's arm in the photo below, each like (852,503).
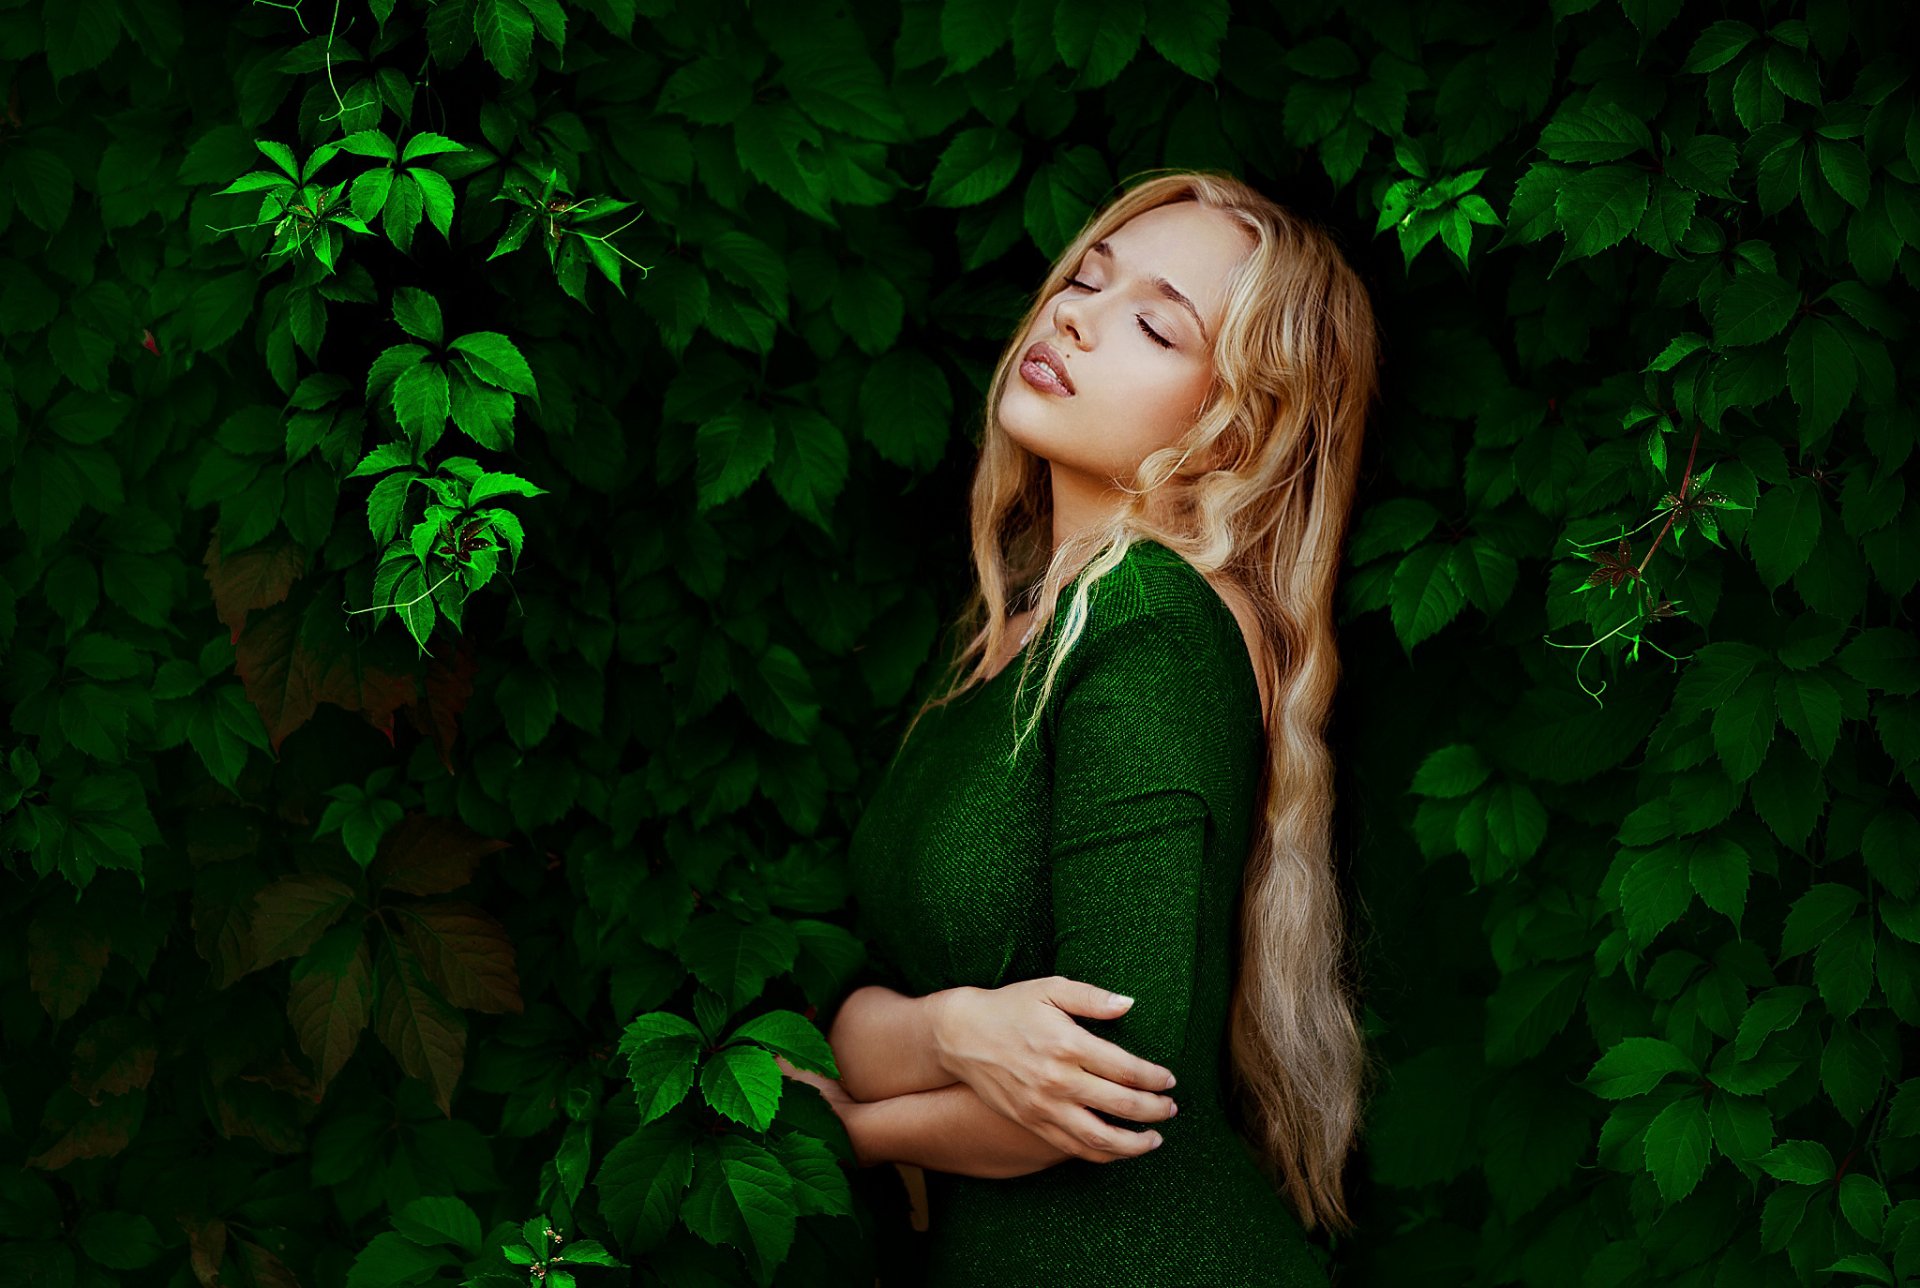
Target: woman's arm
(948,1129)
(887,1044)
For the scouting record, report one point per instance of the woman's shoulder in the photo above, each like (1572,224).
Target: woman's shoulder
(1155,596)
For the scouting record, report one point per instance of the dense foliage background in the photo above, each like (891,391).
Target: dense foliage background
(482,477)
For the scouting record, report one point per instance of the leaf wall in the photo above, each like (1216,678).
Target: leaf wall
(484,477)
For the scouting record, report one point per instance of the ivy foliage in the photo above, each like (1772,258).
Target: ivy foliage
(324,321)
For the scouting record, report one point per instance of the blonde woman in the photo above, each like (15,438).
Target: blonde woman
(1130,794)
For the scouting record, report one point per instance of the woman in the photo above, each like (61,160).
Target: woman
(1138,803)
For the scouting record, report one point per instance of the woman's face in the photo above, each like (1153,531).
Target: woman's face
(1132,393)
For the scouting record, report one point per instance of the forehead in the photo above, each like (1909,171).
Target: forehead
(1195,248)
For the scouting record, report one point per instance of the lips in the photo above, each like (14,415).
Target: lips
(1044,352)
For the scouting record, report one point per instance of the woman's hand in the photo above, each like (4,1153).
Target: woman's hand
(1020,1050)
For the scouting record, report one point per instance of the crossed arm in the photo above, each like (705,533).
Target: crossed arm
(1139,727)
(910,1110)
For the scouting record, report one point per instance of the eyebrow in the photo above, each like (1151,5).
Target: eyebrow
(1160,284)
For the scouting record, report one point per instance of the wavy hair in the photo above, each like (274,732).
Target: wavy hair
(1265,510)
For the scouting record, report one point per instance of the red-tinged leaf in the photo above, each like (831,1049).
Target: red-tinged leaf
(294,656)
(222,915)
(257,577)
(427,1036)
(66,957)
(114,1056)
(448,688)
(466,954)
(330,1000)
(426,854)
(293,912)
(89,1131)
(206,1249)
(246,1110)
(263,1269)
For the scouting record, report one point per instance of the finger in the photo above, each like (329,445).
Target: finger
(1105,1059)
(1124,1102)
(1077,998)
(1095,1092)
(1102,1142)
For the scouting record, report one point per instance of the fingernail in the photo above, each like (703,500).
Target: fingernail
(1120,999)
(1158,1140)
(1176,1109)
(1170,1081)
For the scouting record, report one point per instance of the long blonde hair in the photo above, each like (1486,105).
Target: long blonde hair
(1296,375)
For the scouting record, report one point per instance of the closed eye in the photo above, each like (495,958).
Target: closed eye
(1139,317)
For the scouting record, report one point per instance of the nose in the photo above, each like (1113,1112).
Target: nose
(1066,317)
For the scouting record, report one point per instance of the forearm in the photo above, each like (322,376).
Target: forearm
(947,1129)
(884,1043)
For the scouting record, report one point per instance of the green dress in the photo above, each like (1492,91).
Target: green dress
(1110,852)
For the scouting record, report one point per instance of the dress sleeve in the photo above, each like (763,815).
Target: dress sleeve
(1141,740)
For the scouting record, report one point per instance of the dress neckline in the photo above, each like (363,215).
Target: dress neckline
(1246,651)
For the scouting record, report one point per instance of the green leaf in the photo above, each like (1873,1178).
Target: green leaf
(1422,596)
(1786,526)
(1810,706)
(1720,870)
(528,705)
(1188,34)
(1890,847)
(732,450)
(868,308)
(1655,891)
(119,1240)
(744,1084)
(1823,909)
(1843,969)
(791,1035)
(1597,208)
(977,164)
(1450,772)
(778,145)
(1743,726)
(1635,1065)
(1742,1126)
(735,959)
(1753,308)
(1516,822)
(1597,130)
(662,1050)
(906,407)
(421,401)
(1804,1162)
(418,313)
(1885,658)
(1822,375)
(495,360)
(1386,527)
(1098,37)
(741,1195)
(642,1181)
(506,36)
(440,1219)
(809,466)
(1677,1147)
(490,485)
(970,30)
(386,505)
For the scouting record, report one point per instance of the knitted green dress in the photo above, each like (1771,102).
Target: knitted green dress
(1111,852)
